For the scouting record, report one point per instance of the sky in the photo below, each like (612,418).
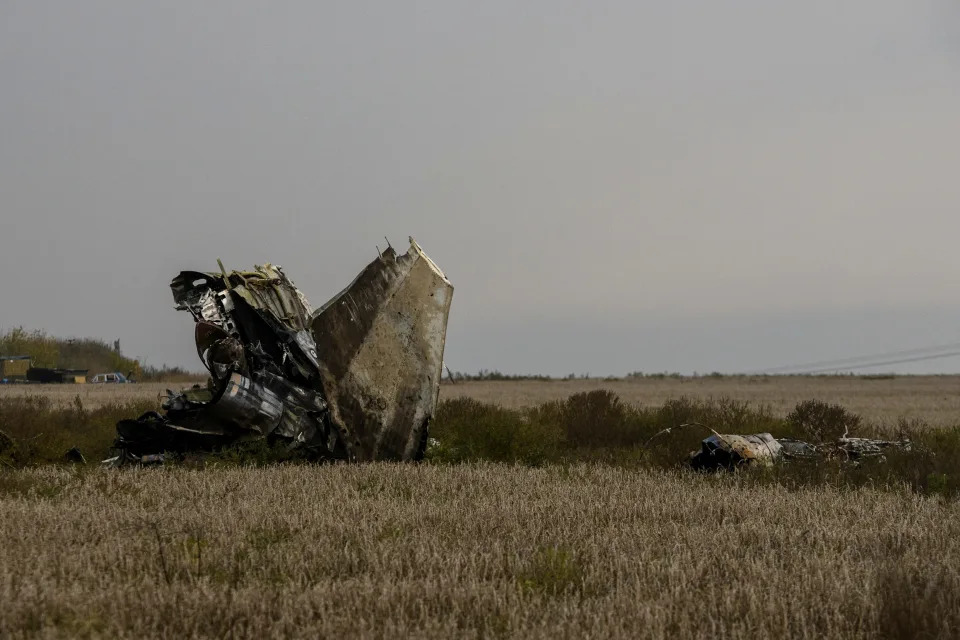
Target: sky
(611,186)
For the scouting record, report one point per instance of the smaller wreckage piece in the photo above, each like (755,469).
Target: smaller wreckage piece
(729,451)
(357,379)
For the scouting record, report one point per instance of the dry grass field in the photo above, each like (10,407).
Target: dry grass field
(592,537)
(933,399)
(471,551)
(92,396)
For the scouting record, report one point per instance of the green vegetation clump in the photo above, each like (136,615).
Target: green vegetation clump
(37,432)
(822,421)
(67,353)
(470,430)
(594,425)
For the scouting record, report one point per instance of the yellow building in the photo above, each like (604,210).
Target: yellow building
(14,368)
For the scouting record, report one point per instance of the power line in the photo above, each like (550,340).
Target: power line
(854,361)
(882,364)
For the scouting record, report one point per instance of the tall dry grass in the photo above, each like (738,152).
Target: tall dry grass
(92,396)
(475,551)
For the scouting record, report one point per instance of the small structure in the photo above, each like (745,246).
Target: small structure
(56,376)
(14,368)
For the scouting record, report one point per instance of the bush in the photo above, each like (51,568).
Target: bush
(721,414)
(40,433)
(594,426)
(821,421)
(470,430)
(934,465)
(594,419)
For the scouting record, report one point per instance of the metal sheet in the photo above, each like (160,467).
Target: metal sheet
(380,345)
(730,450)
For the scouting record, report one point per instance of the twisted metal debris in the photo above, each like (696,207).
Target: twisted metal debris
(357,379)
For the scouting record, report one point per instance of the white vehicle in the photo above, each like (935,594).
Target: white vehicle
(109,378)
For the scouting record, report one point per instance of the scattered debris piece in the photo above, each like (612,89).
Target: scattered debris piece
(856,448)
(728,451)
(358,379)
(799,450)
(733,450)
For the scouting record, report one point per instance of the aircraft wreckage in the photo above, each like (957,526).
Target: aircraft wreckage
(728,451)
(357,379)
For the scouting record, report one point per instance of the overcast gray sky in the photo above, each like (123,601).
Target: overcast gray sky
(685,185)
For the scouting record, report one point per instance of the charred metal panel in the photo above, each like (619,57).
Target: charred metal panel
(381,342)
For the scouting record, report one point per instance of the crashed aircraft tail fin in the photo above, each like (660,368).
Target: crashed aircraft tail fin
(356,380)
(381,344)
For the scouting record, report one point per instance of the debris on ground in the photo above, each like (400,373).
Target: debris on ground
(728,451)
(357,379)
(732,450)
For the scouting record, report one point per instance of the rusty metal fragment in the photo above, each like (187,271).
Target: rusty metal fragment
(358,379)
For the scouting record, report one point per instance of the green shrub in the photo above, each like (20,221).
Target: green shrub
(470,430)
(821,421)
(594,419)
(595,426)
(933,467)
(40,433)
